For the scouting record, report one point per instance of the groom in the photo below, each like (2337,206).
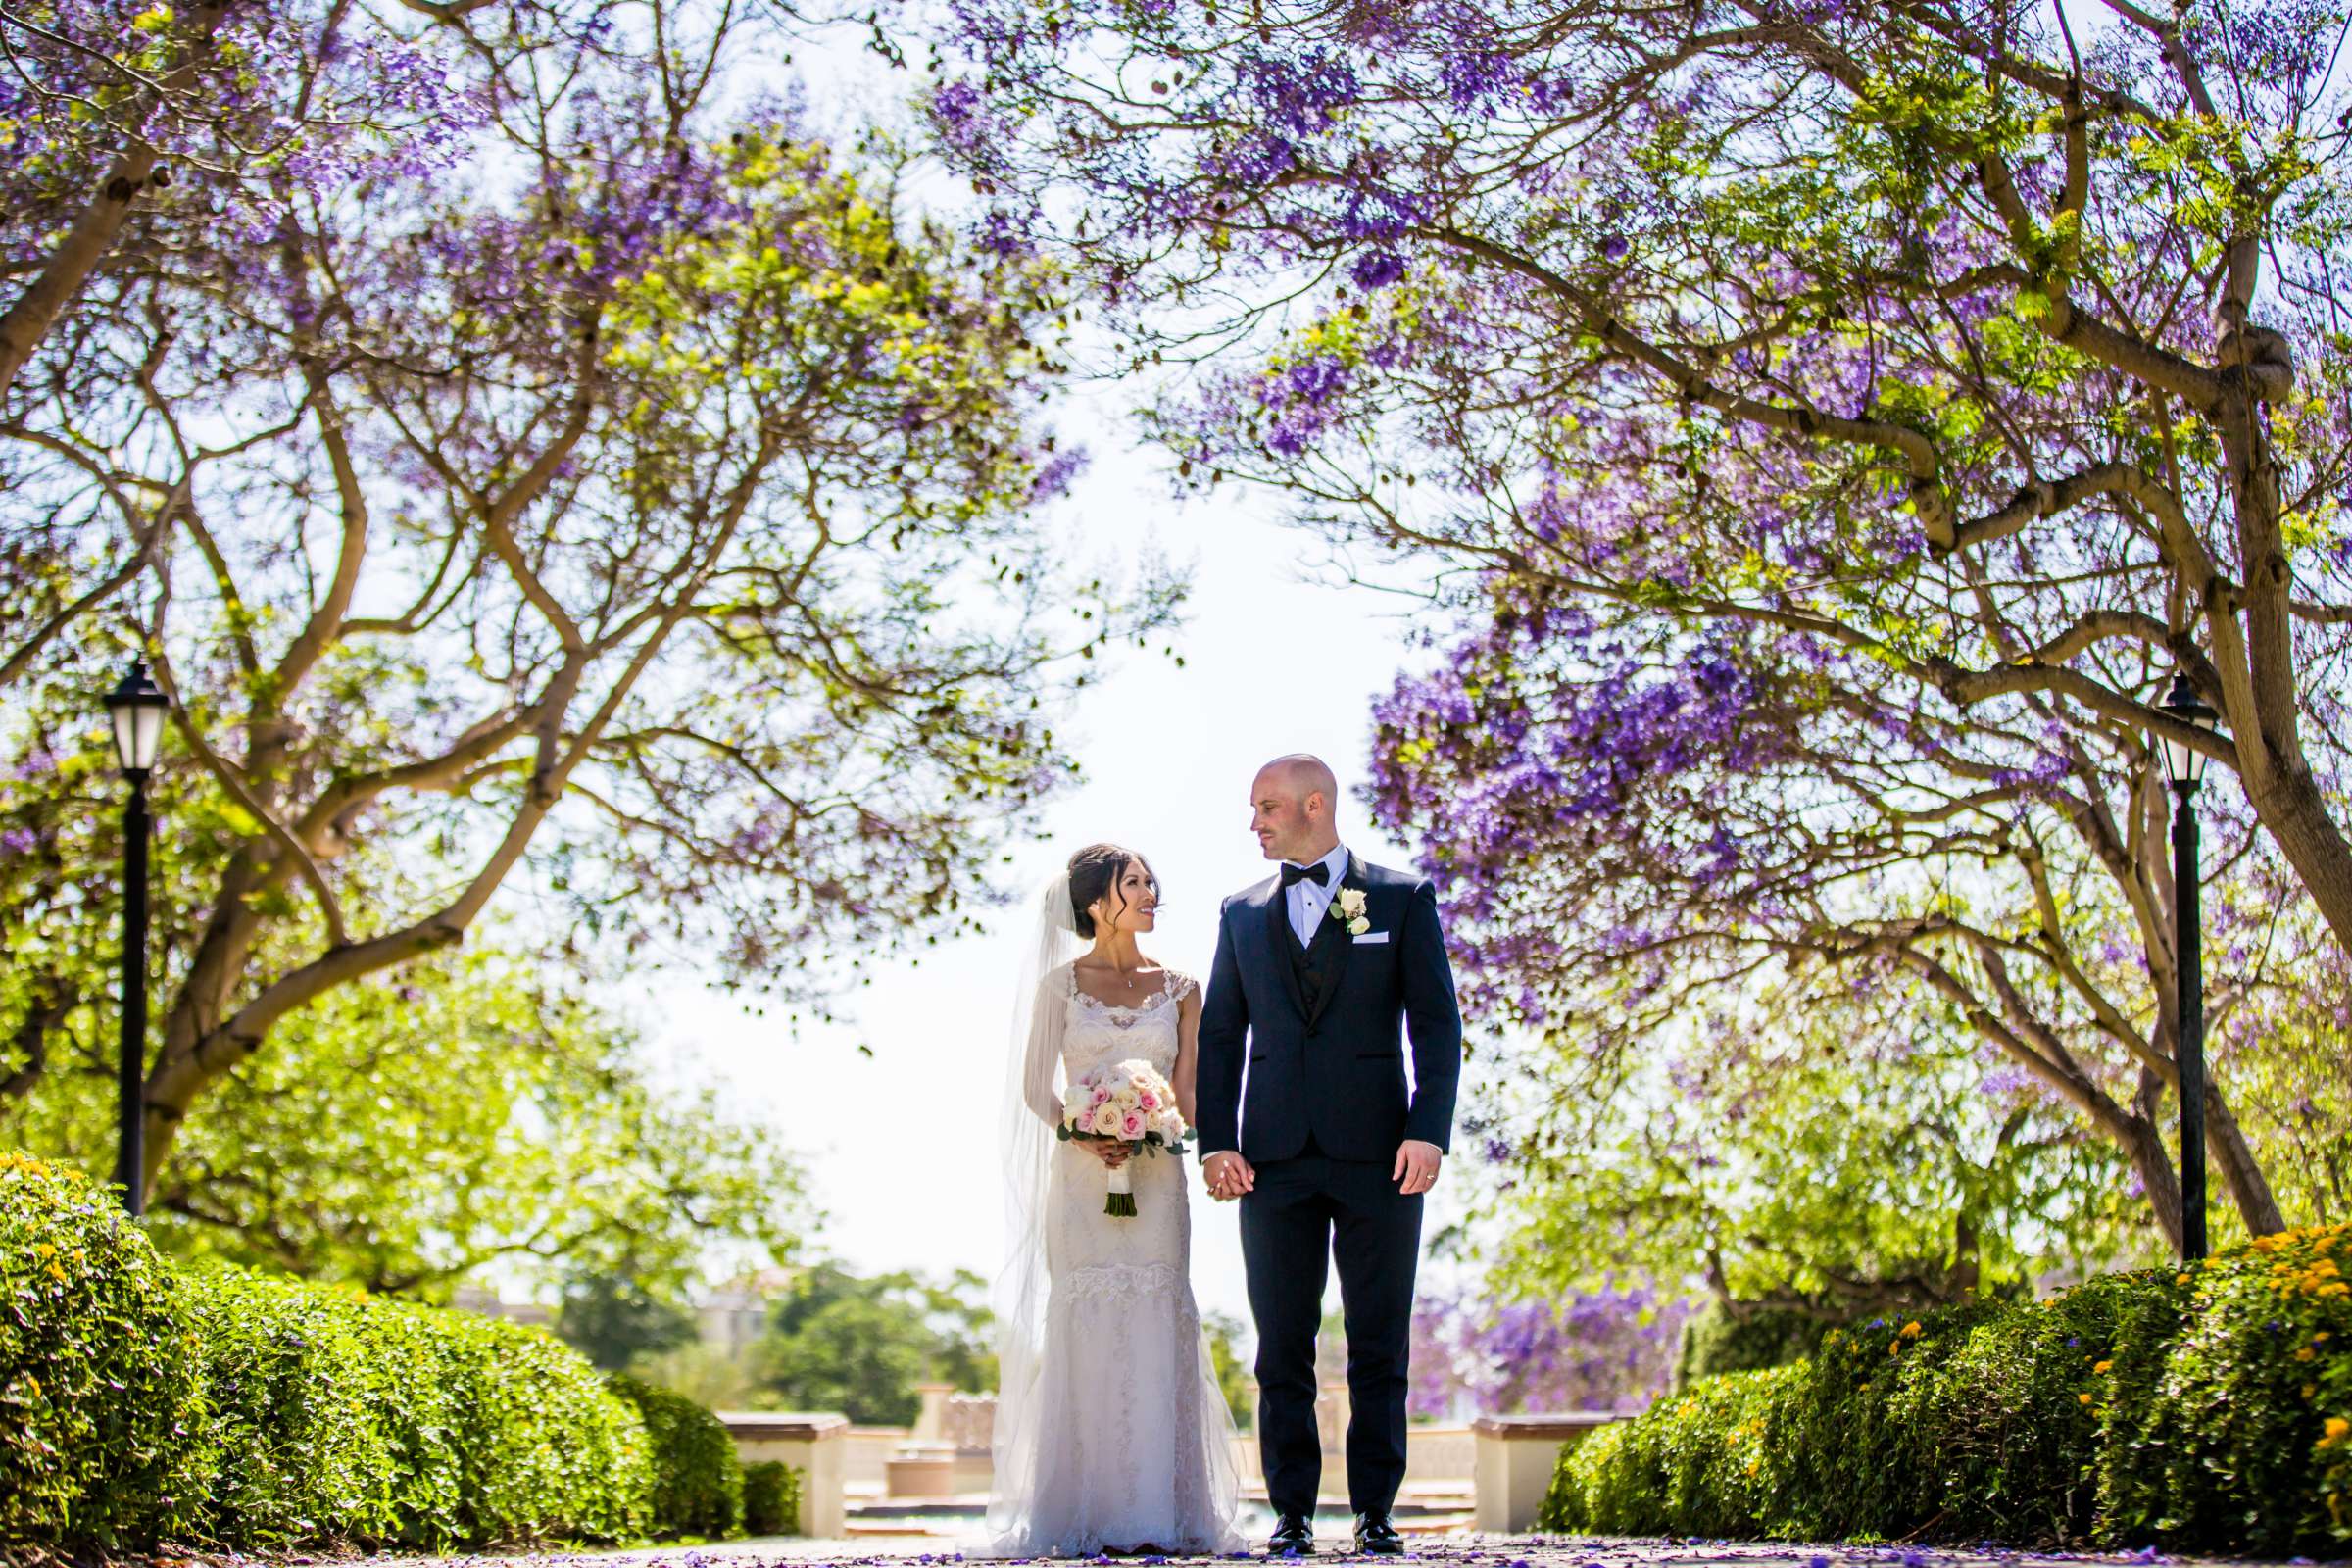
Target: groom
(1326,1149)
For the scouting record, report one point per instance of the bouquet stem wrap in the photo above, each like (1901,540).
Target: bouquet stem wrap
(1130,1105)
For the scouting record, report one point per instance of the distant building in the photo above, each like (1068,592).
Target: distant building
(480,1299)
(727,1318)
(734,1314)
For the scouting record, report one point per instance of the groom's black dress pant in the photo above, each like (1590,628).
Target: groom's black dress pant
(1302,1214)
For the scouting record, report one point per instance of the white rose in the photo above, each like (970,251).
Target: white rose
(1108,1118)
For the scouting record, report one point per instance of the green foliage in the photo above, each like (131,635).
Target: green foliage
(293,1421)
(610,1317)
(1234,1376)
(840,1341)
(1695,1463)
(340,1415)
(2208,1410)
(2244,1440)
(506,1094)
(547,1451)
(1746,1337)
(771,1498)
(139,1399)
(2015,1433)
(99,1385)
(698,1481)
(1780,1148)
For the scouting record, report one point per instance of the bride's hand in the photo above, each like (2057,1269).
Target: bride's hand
(1112,1156)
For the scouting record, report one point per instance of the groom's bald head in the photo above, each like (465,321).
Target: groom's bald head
(1293,803)
(1300,775)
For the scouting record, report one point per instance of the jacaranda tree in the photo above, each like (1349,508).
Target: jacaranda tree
(1835,425)
(128,127)
(634,507)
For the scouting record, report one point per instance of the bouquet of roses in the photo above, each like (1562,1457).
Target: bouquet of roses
(1126,1104)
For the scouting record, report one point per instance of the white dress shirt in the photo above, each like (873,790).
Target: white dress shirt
(1307,903)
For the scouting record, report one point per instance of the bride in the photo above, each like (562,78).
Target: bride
(1111,1434)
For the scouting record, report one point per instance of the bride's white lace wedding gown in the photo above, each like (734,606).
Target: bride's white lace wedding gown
(1123,1440)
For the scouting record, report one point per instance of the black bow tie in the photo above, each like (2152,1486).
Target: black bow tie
(1318,874)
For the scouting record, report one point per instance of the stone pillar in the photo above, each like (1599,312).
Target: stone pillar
(931,1423)
(1516,1458)
(813,1442)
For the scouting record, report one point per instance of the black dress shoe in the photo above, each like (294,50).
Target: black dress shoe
(1375,1537)
(1293,1536)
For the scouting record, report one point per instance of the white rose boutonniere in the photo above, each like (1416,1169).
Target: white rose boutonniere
(1348,907)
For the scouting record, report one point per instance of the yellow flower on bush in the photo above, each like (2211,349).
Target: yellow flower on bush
(2104,1366)
(2083,1398)
(2334,1431)
(1911,1330)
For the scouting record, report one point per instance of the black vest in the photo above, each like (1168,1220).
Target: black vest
(1319,964)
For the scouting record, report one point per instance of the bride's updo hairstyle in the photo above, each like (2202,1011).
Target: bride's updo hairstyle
(1097,872)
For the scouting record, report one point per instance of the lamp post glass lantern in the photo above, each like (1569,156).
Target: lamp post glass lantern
(2185,767)
(137,708)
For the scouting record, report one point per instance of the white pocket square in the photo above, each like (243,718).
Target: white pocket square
(1373,936)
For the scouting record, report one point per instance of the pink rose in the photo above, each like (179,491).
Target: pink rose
(1149,1101)
(1131,1125)
(1102,1094)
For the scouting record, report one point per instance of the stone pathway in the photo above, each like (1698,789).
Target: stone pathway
(1456,1552)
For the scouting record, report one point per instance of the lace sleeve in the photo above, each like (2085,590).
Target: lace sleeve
(1181,985)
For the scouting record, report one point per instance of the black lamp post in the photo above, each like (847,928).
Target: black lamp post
(136,708)
(2185,765)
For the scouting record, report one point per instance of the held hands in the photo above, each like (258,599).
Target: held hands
(1416,1166)
(1111,1154)
(1228,1175)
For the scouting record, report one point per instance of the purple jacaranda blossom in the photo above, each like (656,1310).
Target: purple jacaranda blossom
(1611,1349)
(1377,269)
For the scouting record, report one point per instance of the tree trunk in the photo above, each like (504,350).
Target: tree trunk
(2240,1172)
(100,223)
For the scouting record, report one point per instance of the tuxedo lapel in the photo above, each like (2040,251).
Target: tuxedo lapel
(1331,933)
(1279,937)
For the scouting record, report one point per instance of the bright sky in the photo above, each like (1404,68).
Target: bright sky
(1277,660)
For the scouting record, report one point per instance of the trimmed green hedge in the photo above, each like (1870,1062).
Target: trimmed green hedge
(771,1498)
(100,1387)
(1716,1341)
(140,1403)
(292,1425)
(698,1481)
(338,1415)
(2209,1409)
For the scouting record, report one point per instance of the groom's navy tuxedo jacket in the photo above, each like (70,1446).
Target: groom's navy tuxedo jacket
(1322,1028)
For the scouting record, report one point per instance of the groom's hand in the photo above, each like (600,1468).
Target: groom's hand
(1228,1175)
(1416,1166)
